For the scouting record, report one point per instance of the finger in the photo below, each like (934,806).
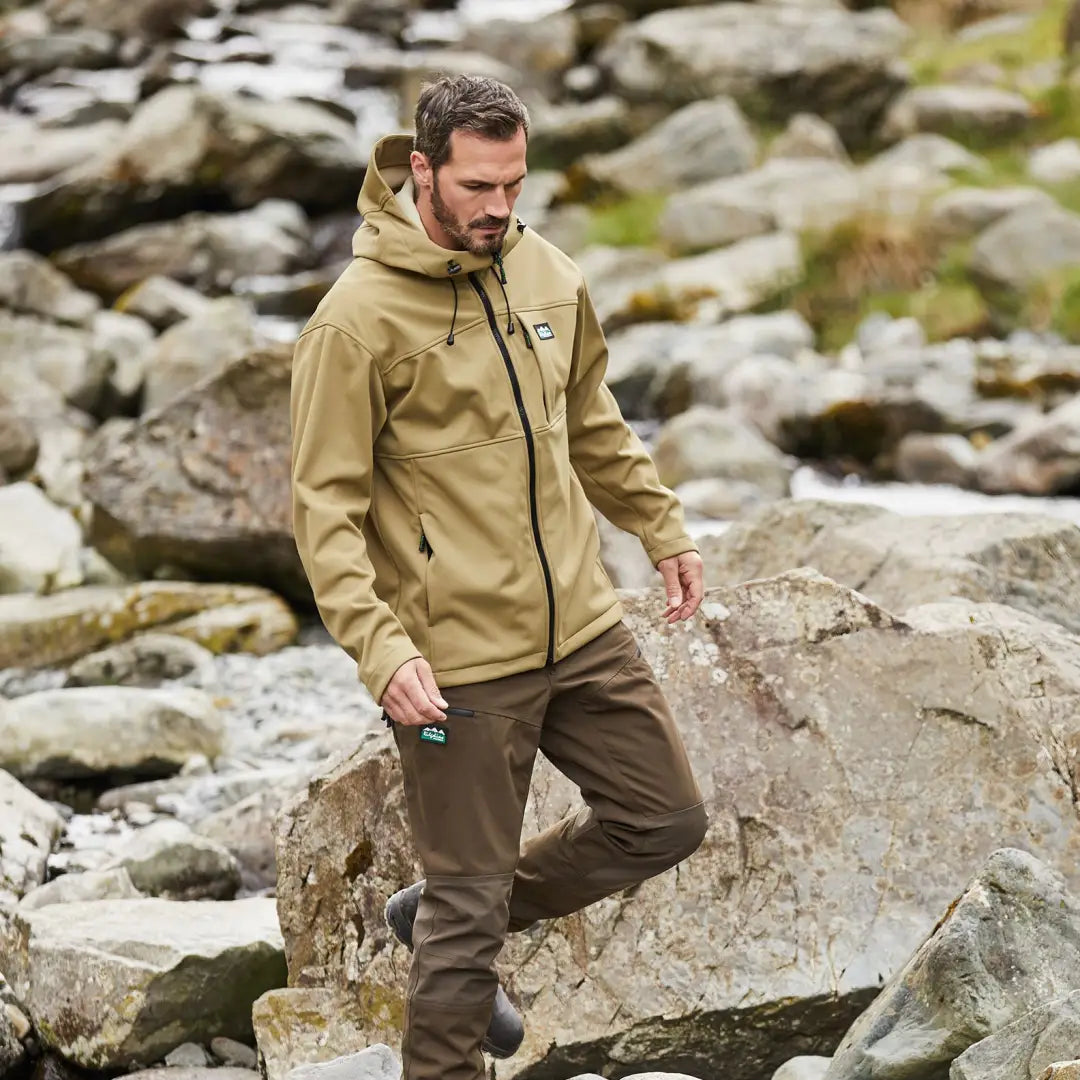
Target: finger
(427,681)
(670,571)
(426,711)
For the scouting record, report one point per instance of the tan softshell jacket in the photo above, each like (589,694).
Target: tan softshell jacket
(449,431)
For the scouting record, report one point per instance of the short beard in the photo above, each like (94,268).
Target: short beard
(475,245)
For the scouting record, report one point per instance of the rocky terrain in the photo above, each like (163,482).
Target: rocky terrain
(826,240)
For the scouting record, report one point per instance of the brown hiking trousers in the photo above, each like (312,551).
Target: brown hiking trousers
(600,717)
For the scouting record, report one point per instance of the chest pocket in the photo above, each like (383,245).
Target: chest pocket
(547,339)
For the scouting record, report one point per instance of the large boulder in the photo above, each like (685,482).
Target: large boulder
(106,733)
(838,748)
(785,193)
(775,60)
(147,19)
(38,631)
(1009,942)
(34,154)
(111,984)
(29,827)
(186,147)
(1024,248)
(1023,560)
(40,543)
(969,113)
(699,142)
(33,286)
(1038,458)
(1027,1046)
(203,482)
(208,251)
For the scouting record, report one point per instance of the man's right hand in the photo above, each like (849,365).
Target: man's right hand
(411,697)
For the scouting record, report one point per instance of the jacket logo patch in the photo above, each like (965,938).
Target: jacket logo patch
(543,331)
(435,735)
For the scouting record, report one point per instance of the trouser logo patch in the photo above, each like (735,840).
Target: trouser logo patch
(435,735)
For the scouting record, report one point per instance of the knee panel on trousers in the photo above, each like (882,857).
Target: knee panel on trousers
(653,848)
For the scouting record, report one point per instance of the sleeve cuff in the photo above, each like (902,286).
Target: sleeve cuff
(670,547)
(378,678)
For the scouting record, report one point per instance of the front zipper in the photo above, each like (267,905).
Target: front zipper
(493,325)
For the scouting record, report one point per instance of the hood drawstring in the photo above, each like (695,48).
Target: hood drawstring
(501,278)
(453,268)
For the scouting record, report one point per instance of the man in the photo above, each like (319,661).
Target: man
(451,426)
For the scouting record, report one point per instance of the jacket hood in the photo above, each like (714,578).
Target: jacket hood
(389,237)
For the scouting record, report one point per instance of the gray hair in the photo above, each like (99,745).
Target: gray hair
(471,103)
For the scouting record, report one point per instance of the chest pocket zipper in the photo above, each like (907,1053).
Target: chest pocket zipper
(539,366)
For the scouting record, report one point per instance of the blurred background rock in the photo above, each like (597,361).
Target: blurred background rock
(836,249)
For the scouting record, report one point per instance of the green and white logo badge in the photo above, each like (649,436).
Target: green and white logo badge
(543,331)
(435,735)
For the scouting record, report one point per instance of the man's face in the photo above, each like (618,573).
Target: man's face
(473,193)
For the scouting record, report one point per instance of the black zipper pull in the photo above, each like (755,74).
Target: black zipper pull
(525,331)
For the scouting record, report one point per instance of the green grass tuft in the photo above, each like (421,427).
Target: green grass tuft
(633,221)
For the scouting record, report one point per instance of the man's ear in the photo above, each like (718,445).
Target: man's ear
(421,169)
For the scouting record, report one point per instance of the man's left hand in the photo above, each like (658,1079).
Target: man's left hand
(683,582)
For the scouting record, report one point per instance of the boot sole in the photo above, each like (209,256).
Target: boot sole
(401,928)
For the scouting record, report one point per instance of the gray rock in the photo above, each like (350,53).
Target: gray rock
(730,281)
(784,193)
(104,732)
(146,660)
(247,830)
(232,1053)
(43,630)
(194,144)
(936,459)
(1022,560)
(12,1052)
(195,799)
(39,542)
(1025,1048)
(619,280)
(147,19)
(60,357)
(1025,247)
(802,1068)
(808,136)
(376,1063)
(1038,458)
(1061,1070)
(196,481)
(660,369)
(85,47)
(207,251)
(851,744)
(31,285)
(34,154)
(114,983)
(964,112)
(559,135)
(1058,163)
(1007,943)
(205,345)
(708,442)
(188,1072)
(89,885)
(162,302)
(29,828)
(167,859)
(122,347)
(188,1055)
(720,499)
(699,142)
(880,333)
(544,53)
(18,442)
(775,60)
(966,211)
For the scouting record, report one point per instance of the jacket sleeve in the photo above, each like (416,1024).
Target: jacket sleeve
(336,409)
(609,459)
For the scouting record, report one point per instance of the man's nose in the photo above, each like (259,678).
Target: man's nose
(498,206)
